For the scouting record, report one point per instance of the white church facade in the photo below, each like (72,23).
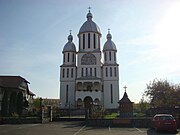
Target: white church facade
(89,76)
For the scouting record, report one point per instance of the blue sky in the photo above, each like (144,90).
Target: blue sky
(146,33)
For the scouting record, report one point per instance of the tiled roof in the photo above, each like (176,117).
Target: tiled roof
(11,81)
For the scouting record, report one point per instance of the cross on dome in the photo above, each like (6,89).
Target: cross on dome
(125,88)
(70,31)
(89,9)
(109,30)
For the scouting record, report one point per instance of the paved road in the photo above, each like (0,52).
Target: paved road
(72,128)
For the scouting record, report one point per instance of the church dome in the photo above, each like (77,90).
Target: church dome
(109,44)
(69,46)
(89,25)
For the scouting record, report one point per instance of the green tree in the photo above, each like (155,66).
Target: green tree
(13,103)
(4,111)
(19,103)
(163,94)
(144,105)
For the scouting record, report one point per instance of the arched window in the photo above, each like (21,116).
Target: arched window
(68,57)
(111,71)
(71,72)
(111,93)
(67,89)
(94,71)
(89,39)
(90,71)
(106,72)
(83,41)
(94,41)
(114,56)
(64,57)
(68,73)
(88,59)
(109,56)
(115,74)
(82,72)
(73,57)
(105,57)
(86,71)
(63,73)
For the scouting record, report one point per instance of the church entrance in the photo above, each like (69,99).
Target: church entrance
(88,102)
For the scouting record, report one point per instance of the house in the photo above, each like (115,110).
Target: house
(10,87)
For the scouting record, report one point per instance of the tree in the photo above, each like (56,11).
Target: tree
(163,94)
(19,103)
(4,110)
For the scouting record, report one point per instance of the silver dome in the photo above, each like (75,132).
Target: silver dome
(89,25)
(69,46)
(109,44)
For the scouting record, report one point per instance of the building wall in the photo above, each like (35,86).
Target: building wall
(67,88)
(111,94)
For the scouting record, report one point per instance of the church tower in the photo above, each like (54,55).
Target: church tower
(110,73)
(90,80)
(68,74)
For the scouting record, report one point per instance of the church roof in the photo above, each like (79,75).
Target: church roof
(69,46)
(125,99)
(89,25)
(109,44)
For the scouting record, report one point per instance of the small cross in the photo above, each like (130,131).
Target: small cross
(70,31)
(125,88)
(109,30)
(89,9)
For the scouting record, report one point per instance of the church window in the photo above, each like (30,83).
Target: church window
(67,93)
(89,39)
(94,71)
(109,56)
(106,72)
(98,42)
(90,71)
(111,94)
(79,43)
(72,57)
(64,57)
(115,74)
(105,57)
(63,72)
(114,56)
(88,59)
(86,71)
(111,71)
(72,72)
(68,57)
(94,41)
(82,72)
(67,73)
(83,41)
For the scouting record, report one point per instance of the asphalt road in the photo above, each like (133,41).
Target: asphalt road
(73,128)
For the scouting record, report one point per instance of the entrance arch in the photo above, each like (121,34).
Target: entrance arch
(88,102)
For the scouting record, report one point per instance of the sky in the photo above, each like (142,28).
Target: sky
(146,33)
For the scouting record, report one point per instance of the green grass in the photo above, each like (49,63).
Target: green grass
(111,116)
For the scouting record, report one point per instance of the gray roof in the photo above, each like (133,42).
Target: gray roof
(69,46)
(109,44)
(11,81)
(89,25)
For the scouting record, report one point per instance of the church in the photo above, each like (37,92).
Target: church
(89,75)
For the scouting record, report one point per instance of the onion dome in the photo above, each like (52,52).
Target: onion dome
(89,25)
(69,46)
(109,44)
